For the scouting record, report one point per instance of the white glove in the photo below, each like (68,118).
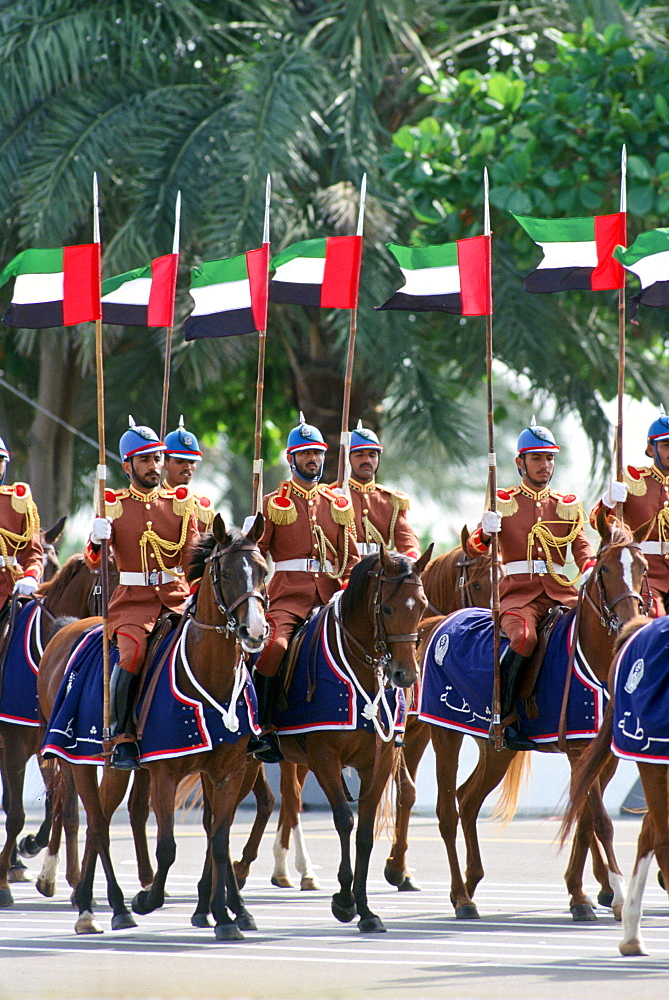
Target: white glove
(101,530)
(25,586)
(491,522)
(616,493)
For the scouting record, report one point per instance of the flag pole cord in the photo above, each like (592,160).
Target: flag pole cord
(166,382)
(257,440)
(342,478)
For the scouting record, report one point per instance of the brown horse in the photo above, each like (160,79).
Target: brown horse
(654,835)
(612,597)
(70,593)
(229,617)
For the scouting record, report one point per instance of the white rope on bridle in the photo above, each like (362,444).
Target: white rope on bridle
(229,715)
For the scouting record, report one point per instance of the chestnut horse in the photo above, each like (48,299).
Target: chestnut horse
(612,596)
(227,620)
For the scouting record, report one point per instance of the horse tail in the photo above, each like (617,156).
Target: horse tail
(384,821)
(517,774)
(189,793)
(586,772)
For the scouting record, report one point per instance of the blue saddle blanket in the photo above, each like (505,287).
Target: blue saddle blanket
(457,681)
(176,725)
(18,698)
(323,694)
(641,695)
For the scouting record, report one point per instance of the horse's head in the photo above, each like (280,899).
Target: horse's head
(618,582)
(48,538)
(457,580)
(237,572)
(395,605)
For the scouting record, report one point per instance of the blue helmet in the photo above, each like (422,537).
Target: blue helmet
(535,438)
(659,429)
(363,437)
(182,444)
(138,440)
(305,436)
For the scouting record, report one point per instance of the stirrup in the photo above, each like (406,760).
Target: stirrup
(266,748)
(125,757)
(512,739)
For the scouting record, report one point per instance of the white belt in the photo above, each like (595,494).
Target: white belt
(655,548)
(302,566)
(152,579)
(367,548)
(537,567)
(8,561)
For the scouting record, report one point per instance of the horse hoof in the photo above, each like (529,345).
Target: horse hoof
(583,913)
(141,905)
(344,914)
(280,881)
(605,898)
(122,921)
(660,879)
(409,885)
(393,877)
(228,932)
(45,887)
(309,884)
(241,881)
(200,920)
(245,922)
(6,898)
(466,911)
(28,848)
(19,875)
(87,924)
(617,912)
(371,925)
(632,948)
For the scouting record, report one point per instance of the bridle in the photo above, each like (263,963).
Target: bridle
(604,608)
(464,583)
(214,560)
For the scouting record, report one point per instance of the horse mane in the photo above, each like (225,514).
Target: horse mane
(204,548)
(620,534)
(354,595)
(55,588)
(438,579)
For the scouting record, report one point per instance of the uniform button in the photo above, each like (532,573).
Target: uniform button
(311,503)
(315,576)
(666,503)
(539,549)
(148,506)
(151,555)
(538,519)
(538,503)
(157,589)
(313,517)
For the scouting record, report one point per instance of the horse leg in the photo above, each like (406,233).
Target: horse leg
(138,809)
(70,821)
(289,814)
(632,942)
(30,846)
(416,739)
(226,778)
(447,743)
(604,863)
(13,775)
(163,793)
(200,917)
(264,797)
(326,766)
(54,778)
(373,779)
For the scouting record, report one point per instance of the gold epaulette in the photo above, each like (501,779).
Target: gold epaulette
(568,506)
(113,505)
(635,480)
(204,511)
(341,507)
(280,508)
(21,497)
(183,501)
(506,501)
(399,500)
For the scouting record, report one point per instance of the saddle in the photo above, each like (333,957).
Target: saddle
(532,668)
(171,622)
(289,661)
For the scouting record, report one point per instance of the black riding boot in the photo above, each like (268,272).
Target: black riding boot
(122,690)
(511,665)
(266,746)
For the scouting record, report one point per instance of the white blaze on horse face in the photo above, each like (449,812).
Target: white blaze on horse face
(256,622)
(626,562)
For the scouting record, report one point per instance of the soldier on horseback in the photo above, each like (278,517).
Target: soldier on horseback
(535,526)
(380,512)
(182,453)
(21,554)
(152,532)
(308,535)
(644,496)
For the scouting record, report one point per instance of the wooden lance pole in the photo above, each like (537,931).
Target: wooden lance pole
(100,504)
(492,485)
(344,467)
(621,336)
(260,382)
(170,328)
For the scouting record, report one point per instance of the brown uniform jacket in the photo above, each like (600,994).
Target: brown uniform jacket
(295,519)
(21,551)
(648,497)
(381,511)
(170,514)
(523,512)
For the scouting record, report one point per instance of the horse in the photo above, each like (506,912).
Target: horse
(227,622)
(612,596)
(69,592)
(635,728)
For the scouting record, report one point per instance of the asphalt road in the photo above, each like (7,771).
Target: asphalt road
(526,944)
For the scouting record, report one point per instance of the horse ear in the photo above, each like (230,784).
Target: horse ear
(384,558)
(51,535)
(464,537)
(256,529)
(220,532)
(603,525)
(423,560)
(644,530)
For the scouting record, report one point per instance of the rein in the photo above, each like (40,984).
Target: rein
(464,583)
(382,640)
(227,610)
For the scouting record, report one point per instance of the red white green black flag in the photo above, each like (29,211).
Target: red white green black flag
(578,253)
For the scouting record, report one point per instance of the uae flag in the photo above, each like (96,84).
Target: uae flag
(323,272)
(143,297)
(648,258)
(451,278)
(578,253)
(54,287)
(230,296)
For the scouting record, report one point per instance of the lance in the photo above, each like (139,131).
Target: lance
(170,328)
(621,335)
(100,502)
(344,466)
(492,482)
(260,382)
